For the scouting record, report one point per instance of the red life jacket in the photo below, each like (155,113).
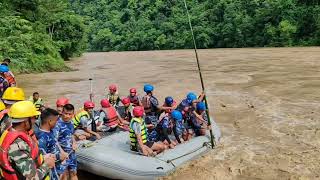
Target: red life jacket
(134,100)
(169,110)
(112,117)
(10,78)
(7,138)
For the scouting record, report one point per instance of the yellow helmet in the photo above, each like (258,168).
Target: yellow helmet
(23,109)
(2,106)
(13,94)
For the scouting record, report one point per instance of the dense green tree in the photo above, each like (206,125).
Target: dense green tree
(162,24)
(38,34)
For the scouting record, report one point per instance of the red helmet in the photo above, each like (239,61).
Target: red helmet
(88,105)
(138,111)
(125,101)
(133,90)
(105,103)
(62,101)
(113,87)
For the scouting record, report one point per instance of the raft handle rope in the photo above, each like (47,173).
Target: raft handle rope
(200,74)
(205,144)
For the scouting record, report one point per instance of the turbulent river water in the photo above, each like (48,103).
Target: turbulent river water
(266,101)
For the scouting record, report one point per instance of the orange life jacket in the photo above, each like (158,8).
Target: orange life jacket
(112,117)
(10,78)
(7,138)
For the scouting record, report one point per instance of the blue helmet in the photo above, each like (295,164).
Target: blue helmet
(176,115)
(201,106)
(185,103)
(148,88)
(168,100)
(4,68)
(191,97)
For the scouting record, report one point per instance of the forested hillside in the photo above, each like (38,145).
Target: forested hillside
(38,34)
(118,25)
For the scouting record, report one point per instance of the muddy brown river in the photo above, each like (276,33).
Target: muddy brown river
(266,101)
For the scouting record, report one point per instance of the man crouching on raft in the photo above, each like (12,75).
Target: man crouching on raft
(138,135)
(80,122)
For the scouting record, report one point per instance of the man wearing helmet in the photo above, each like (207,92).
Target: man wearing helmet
(151,103)
(113,95)
(20,155)
(37,101)
(60,103)
(63,132)
(199,119)
(164,129)
(138,135)
(110,118)
(169,102)
(179,129)
(9,97)
(134,98)
(9,75)
(126,112)
(81,120)
(152,110)
(187,107)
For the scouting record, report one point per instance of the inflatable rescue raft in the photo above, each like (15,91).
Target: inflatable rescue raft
(111,156)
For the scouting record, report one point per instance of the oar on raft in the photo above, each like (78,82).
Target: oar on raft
(200,74)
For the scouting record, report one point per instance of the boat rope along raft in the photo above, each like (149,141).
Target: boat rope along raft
(111,156)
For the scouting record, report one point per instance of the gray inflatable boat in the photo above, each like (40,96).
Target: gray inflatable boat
(111,156)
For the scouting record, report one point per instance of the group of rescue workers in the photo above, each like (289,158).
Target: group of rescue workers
(38,142)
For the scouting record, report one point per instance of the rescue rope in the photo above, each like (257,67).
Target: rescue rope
(200,74)
(203,145)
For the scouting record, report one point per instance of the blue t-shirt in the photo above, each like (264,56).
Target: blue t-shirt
(48,144)
(165,122)
(154,103)
(179,127)
(63,133)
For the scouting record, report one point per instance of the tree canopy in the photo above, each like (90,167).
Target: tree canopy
(120,25)
(39,34)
